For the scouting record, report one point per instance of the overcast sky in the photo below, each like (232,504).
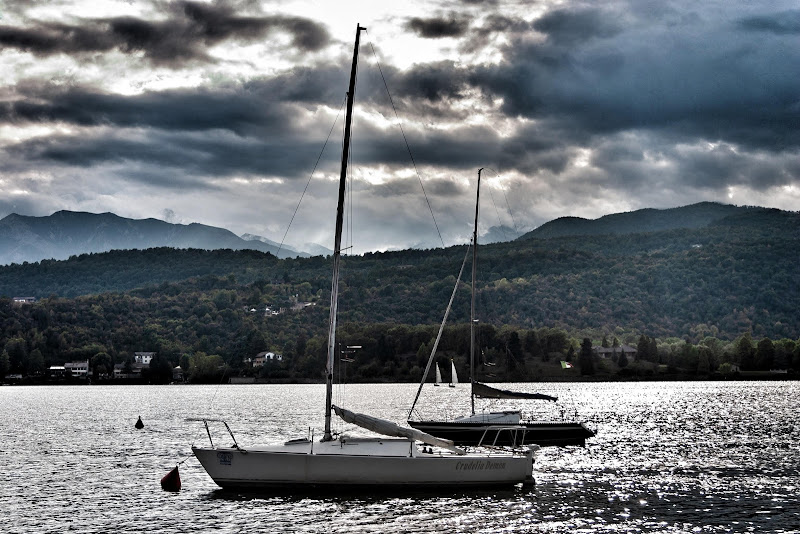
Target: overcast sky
(216,112)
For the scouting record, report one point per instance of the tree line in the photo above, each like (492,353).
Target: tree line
(211,335)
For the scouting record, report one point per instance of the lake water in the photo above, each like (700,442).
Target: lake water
(668,457)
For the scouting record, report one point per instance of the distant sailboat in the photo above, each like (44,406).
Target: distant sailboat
(453,375)
(338,461)
(438,381)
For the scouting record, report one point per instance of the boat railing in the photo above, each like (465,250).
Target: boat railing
(205,422)
(497,429)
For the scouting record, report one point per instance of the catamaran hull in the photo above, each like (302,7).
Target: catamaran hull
(543,434)
(331,465)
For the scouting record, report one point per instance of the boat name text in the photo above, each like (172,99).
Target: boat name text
(480,465)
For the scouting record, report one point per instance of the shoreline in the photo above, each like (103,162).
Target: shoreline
(745,376)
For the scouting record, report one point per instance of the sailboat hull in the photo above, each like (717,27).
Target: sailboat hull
(542,433)
(376,463)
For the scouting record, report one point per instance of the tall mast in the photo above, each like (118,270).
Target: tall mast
(472,306)
(337,247)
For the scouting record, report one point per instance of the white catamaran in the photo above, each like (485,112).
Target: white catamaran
(375,462)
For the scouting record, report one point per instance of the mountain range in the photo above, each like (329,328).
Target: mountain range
(66,233)
(69,233)
(644,220)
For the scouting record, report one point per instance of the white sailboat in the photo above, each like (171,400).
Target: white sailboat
(438,381)
(375,462)
(453,375)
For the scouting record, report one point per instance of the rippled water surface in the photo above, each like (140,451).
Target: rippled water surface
(668,457)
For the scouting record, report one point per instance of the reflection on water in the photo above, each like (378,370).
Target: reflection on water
(668,457)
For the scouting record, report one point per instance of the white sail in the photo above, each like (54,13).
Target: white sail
(454,375)
(438,375)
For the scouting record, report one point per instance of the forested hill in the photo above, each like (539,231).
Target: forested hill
(646,220)
(738,273)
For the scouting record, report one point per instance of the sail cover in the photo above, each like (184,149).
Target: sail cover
(388,428)
(488,392)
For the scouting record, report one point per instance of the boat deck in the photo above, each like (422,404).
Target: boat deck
(363,447)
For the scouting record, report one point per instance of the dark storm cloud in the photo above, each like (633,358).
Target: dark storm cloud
(444,188)
(243,129)
(322,84)
(785,23)
(398,187)
(249,128)
(458,148)
(566,27)
(500,23)
(433,82)
(170,159)
(186,34)
(395,188)
(723,166)
(240,111)
(493,25)
(536,148)
(590,76)
(438,27)
(242,108)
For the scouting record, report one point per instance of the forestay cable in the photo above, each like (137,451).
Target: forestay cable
(414,163)
(309,177)
(439,335)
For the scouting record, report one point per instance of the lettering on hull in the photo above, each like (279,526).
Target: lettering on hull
(480,465)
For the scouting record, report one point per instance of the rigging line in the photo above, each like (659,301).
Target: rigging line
(309,178)
(399,125)
(211,403)
(510,212)
(441,329)
(502,230)
(514,222)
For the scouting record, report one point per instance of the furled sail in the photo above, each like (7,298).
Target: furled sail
(488,392)
(388,428)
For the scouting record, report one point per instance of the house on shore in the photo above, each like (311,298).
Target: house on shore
(56,371)
(77,369)
(143,358)
(265,357)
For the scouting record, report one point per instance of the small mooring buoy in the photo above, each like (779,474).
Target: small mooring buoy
(139,425)
(171,481)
